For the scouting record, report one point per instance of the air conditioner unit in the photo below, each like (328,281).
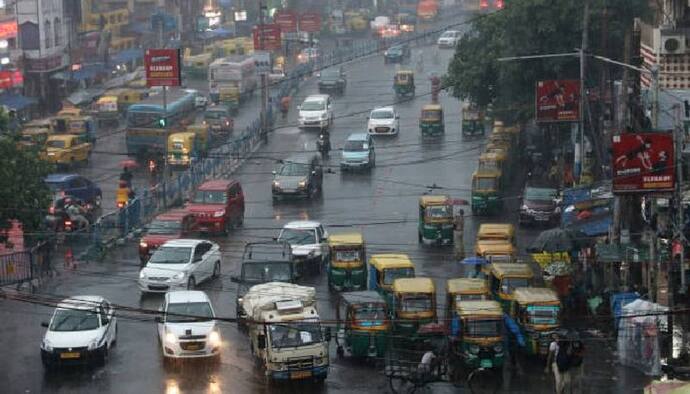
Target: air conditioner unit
(672,44)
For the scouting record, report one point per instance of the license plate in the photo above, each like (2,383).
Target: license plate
(300,374)
(486,364)
(69,355)
(193,347)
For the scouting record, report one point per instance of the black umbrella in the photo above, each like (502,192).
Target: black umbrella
(551,241)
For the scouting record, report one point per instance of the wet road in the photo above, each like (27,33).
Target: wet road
(381,203)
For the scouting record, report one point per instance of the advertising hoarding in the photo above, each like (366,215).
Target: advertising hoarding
(287,20)
(271,37)
(558,100)
(643,162)
(162,67)
(310,22)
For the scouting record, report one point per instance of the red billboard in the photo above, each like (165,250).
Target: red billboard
(558,101)
(287,20)
(8,29)
(271,37)
(643,162)
(310,22)
(11,78)
(162,67)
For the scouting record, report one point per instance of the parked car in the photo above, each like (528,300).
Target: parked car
(218,205)
(397,54)
(316,112)
(180,264)
(539,205)
(75,185)
(187,328)
(358,152)
(298,175)
(174,224)
(383,121)
(82,330)
(309,243)
(333,79)
(449,39)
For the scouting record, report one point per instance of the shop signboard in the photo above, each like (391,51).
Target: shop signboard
(162,67)
(310,22)
(558,100)
(271,37)
(643,162)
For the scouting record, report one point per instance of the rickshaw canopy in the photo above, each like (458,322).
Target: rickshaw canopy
(496,231)
(362,297)
(425,201)
(387,261)
(467,286)
(404,77)
(536,295)
(495,248)
(479,309)
(185,137)
(515,270)
(351,239)
(414,285)
(433,112)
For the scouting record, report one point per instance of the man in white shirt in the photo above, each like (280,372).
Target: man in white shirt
(551,362)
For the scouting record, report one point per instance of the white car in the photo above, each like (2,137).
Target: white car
(449,39)
(200,101)
(82,330)
(188,328)
(383,121)
(316,112)
(309,243)
(180,264)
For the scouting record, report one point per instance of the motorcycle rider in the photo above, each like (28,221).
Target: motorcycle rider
(76,213)
(324,142)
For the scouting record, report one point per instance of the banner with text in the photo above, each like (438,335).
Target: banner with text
(643,162)
(558,101)
(162,67)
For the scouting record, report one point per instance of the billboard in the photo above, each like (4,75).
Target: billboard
(558,100)
(271,37)
(643,162)
(287,20)
(11,78)
(162,67)
(310,22)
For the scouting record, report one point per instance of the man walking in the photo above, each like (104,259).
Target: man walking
(458,235)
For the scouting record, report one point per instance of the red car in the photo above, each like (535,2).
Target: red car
(218,206)
(173,224)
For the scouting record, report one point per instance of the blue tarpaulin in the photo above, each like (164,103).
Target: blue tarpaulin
(127,55)
(217,33)
(16,102)
(87,72)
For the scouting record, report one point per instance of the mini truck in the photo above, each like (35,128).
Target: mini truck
(285,332)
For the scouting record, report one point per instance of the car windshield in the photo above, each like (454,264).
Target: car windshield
(294,334)
(266,272)
(538,314)
(313,106)
(171,255)
(469,297)
(298,237)
(508,285)
(188,312)
(448,34)
(177,145)
(56,186)
(347,255)
(142,119)
(330,74)
(483,328)
(74,320)
(210,197)
(214,114)
(439,211)
(485,183)
(382,115)
(395,50)
(55,144)
(431,115)
(293,169)
(415,303)
(488,165)
(165,227)
(356,146)
(391,274)
(540,194)
(370,314)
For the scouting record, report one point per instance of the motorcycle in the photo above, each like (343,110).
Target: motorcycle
(323,144)
(59,220)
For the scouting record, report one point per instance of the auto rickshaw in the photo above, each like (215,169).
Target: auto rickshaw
(472,120)
(203,136)
(431,120)
(494,161)
(504,278)
(83,126)
(347,269)
(477,334)
(183,149)
(414,305)
(197,66)
(127,97)
(465,289)
(537,312)
(496,251)
(363,328)
(33,138)
(435,220)
(107,111)
(496,232)
(486,192)
(384,269)
(403,83)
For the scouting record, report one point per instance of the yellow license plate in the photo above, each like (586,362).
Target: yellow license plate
(69,355)
(300,374)
(193,347)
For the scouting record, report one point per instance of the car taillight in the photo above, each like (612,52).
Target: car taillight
(68,223)
(499,4)
(120,204)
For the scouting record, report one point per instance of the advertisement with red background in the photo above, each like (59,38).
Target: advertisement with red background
(162,67)
(287,20)
(643,162)
(310,22)
(558,100)
(271,37)
(8,29)
(10,79)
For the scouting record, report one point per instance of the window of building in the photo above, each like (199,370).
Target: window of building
(58,31)
(47,32)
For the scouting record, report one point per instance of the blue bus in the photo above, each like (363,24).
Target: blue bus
(148,125)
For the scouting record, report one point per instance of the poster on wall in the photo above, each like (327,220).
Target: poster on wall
(643,162)
(558,100)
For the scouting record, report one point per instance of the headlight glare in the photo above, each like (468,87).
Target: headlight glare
(214,338)
(170,338)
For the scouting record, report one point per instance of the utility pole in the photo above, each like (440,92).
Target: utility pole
(264,78)
(583,96)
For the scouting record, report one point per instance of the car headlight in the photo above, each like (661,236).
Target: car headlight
(143,244)
(557,210)
(239,300)
(474,349)
(498,348)
(302,183)
(170,338)
(46,345)
(214,338)
(93,344)
(524,208)
(276,184)
(179,275)
(142,274)
(218,214)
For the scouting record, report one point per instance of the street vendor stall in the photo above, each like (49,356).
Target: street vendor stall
(638,336)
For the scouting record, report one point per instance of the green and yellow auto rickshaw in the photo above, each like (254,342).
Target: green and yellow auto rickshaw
(494,161)
(431,120)
(504,278)
(486,192)
(472,120)
(347,268)
(477,334)
(403,83)
(363,328)
(384,269)
(537,311)
(33,137)
(414,305)
(465,289)
(183,149)
(435,220)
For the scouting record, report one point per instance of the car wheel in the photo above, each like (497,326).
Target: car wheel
(103,356)
(191,284)
(114,342)
(216,270)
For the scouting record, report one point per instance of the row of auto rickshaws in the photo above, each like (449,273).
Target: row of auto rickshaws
(386,312)
(431,122)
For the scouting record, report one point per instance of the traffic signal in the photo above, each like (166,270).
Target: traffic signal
(162,122)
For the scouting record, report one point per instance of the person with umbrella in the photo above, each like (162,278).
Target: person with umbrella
(458,234)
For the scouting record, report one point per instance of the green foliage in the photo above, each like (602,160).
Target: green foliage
(533,27)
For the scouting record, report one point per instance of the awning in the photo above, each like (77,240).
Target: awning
(88,71)
(16,102)
(217,33)
(128,55)
(84,96)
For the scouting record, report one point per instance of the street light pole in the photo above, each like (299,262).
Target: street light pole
(583,50)
(264,77)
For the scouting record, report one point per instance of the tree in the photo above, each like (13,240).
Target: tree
(530,27)
(23,193)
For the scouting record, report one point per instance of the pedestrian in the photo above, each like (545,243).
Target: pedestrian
(577,364)
(557,360)
(426,366)
(126,177)
(458,235)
